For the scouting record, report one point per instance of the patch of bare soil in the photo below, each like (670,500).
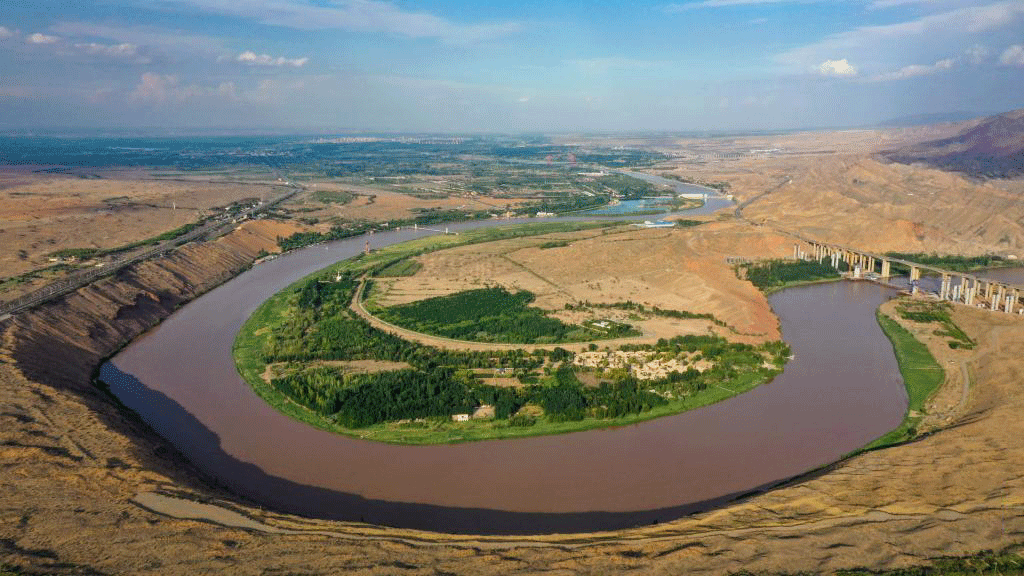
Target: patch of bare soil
(851,198)
(346,366)
(685,269)
(861,202)
(43,213)
(379,203)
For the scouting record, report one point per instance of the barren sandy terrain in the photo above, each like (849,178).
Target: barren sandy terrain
(830,186)
(43,213)
(682,269)
(385,202)
(892,207)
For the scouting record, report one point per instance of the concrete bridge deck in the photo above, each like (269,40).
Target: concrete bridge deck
(960,287)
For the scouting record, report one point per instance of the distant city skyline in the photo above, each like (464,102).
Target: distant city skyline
(455,66)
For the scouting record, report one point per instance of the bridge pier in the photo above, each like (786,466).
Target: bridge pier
(955,286)
(997,296)
(944,288)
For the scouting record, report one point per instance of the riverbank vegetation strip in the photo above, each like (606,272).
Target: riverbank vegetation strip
(774,275)
(953,263)
(936,312)
(922,376)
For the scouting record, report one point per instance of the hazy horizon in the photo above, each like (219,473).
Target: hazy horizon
(448,66)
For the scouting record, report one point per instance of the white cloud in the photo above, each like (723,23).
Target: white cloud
(39,38)
(936,30)
(5,33)
(158,89)
(250,57)
(278,90)
(1013,56)
(154,88)
(125,50)
(358,15)
(169,40)
(915,70)
(836,68)
(977,53)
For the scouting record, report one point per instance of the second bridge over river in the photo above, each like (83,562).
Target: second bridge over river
(964,288)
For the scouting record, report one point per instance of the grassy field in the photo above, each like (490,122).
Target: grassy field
(493,315)
(333,196)
(937,312)
(440,431)
(406,267)
(922,376)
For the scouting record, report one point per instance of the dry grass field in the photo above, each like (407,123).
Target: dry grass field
(43,213)
(683,269)
(831,186)
(378,203)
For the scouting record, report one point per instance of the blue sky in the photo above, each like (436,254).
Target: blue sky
(531,65)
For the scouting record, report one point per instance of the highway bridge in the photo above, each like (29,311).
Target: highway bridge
(960,287)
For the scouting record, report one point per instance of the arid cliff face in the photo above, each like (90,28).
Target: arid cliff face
(61,342)
(70,454)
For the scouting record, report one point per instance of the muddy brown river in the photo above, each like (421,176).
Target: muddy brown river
(841,390)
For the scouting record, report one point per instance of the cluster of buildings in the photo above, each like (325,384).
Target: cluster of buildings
(643,365)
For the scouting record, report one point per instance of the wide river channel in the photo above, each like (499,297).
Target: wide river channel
(841,390)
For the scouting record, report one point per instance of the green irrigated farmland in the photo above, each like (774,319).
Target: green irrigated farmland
(489,315)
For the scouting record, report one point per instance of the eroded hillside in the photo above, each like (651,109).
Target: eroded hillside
(858,201)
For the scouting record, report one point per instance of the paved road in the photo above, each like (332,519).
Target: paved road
(218,226)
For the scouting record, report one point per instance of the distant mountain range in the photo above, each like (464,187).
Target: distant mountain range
(990,147)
